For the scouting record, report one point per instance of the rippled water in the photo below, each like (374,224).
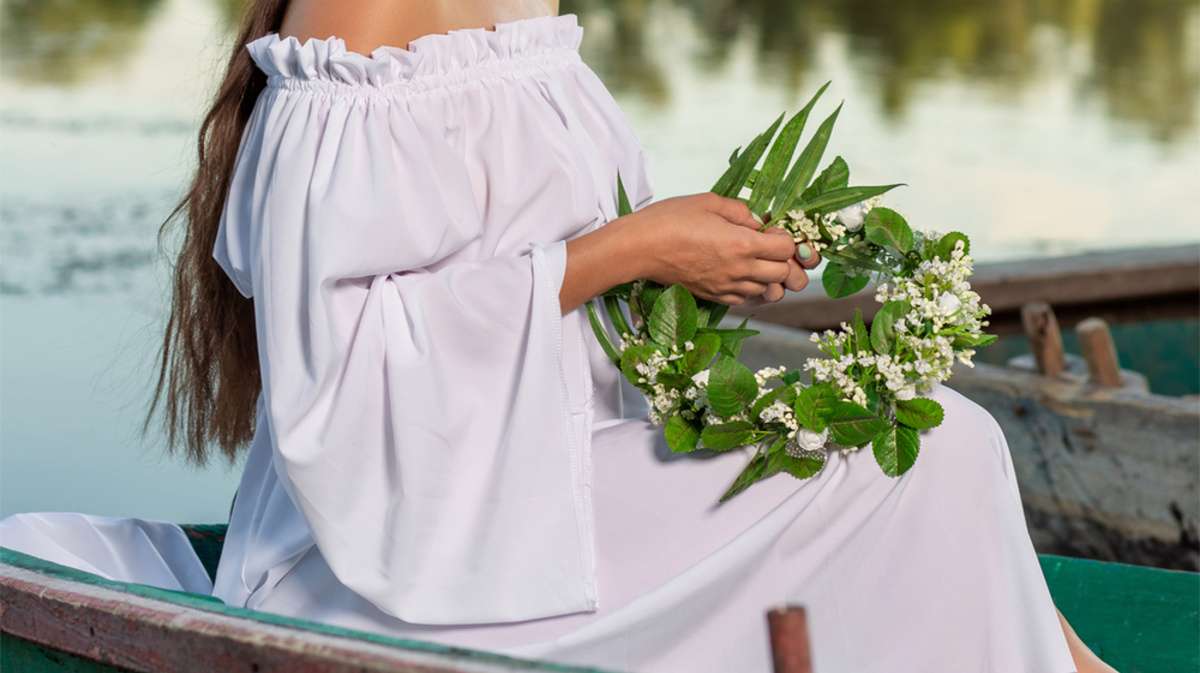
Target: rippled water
(1039,127)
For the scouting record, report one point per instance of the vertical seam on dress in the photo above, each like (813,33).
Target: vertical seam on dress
(579,480)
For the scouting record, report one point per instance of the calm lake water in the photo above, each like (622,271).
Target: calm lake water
(1038,127)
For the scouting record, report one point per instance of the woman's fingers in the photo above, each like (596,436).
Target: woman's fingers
(812,259)
(797,279)
(734,211)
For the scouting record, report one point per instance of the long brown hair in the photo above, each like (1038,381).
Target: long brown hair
(209,379)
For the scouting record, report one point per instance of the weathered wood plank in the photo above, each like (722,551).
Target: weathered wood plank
(22,656)
(187,633)
(1144,284)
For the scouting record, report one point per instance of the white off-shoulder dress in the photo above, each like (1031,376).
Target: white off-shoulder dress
(442,455)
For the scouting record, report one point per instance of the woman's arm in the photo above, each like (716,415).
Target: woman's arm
(709,244)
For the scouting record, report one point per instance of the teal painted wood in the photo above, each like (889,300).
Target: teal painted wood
(22,656)
(207,540)
(211,604)
(1166,352)
(1139,620)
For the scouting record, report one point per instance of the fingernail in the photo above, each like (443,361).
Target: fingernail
(804,251)
(756,217)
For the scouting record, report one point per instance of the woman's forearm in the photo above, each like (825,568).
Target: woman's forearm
(597,261)
(709,244)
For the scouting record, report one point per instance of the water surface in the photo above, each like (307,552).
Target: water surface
(1039,127)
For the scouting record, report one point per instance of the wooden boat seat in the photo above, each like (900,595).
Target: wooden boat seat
(56,618)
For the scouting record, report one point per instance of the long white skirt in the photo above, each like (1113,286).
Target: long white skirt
(932,572)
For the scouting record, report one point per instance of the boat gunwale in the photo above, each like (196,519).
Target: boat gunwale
(143,628)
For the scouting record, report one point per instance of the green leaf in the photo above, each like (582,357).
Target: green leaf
(896,449)
(785,394)
(755,471)
(800,468)
(836,199)
(852,259)
(886,228)
(839,281)
(853,425)
(705,349)
(606,343)
(621,291)
(730,184)
(731,387)
(674,380)
(835,176)
(872,399)
(633,356)
(731,339)
(909,442)
(806,166)
(616,316)
(968,341)
(717,314)
(887,454)
(776,163)
(673,320)
(945,245)
(814,405)
(920,412)
(792,377)
(883,327)
(648,297)
(623,207)
(682,435)
(862,339)
(727,436)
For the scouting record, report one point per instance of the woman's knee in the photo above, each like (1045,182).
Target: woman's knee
(969,438)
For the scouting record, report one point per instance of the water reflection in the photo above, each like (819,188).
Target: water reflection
(1146,63)
(64,41)
(1138,56)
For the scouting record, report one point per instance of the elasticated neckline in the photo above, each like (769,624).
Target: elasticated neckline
(430,61)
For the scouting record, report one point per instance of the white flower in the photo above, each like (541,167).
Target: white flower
(701,378)
(852,216)
(811,441)
(948,303)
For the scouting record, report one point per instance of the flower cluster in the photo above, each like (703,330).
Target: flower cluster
(867,389)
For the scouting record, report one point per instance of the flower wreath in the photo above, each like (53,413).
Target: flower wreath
(866,391)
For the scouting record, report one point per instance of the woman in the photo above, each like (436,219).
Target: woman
(438,451)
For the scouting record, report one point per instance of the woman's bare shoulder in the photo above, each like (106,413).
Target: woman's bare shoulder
(365,25)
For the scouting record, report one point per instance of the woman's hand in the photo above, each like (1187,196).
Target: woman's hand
(797,266)
(709,244)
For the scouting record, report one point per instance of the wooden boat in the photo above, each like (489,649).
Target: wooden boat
(1131,285)
(1110,473)
(1142,620)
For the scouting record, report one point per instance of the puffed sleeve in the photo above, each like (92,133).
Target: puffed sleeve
(427,419)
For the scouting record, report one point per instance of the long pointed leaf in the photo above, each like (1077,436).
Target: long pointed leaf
(835,176)
(602,335)
(776,164)
(734,179)
(756,470)
(806,166)
(616,317)
(837,199)
(623,207)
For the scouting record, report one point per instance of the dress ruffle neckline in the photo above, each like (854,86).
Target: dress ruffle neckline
(287,61)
